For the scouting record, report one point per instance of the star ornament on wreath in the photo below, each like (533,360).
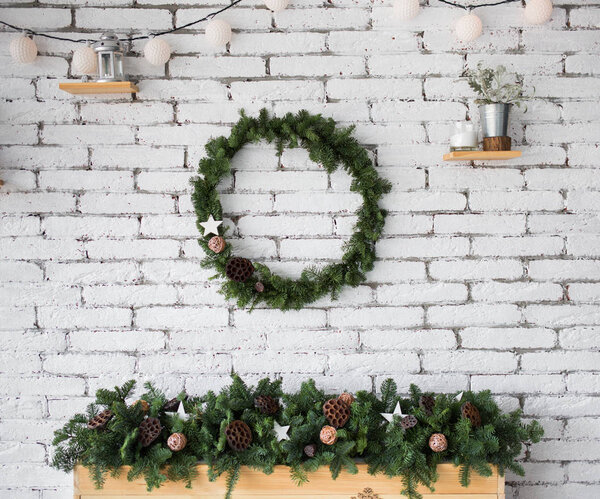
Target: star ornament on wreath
(250,283)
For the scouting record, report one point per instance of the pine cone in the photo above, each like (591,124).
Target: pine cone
(145,405)
(239,436)
(408,422)
(172,405)
(310,450)
(470,412)
(438,442)
(266,404)
(239,269)
(177,442)
(100,420)
(347,398)
(150,429)
(328,435)
(216,244)
(336,412)
(427,403)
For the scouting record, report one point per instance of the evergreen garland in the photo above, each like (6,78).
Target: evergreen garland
(327,145)
(386,447)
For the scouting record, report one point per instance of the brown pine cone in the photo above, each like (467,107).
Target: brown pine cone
(172,405)
(438,442)
(310,450)
(177,442)
(216,244)
(427,403)
(408,422)
(239,269)
(145,405)
(328,435)
(150,429)
(347,398)
(337,412)
(470,412)
(99,421)
(239,436)
(266,404)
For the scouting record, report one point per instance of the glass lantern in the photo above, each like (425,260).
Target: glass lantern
(110,58)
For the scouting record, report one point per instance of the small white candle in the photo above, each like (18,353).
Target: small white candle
(465,137)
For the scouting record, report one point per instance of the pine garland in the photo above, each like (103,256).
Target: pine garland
(327,145)
(386,447)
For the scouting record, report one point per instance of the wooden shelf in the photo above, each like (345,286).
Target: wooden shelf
(253,484)
(480,155)
(96,87)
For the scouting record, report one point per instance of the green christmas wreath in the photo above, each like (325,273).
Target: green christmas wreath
(250,282)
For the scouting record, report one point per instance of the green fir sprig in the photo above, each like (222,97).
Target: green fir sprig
(327,145)
(386,447)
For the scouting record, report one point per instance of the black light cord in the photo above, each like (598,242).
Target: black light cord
(477,5)
(129,39)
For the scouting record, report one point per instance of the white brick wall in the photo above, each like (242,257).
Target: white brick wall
(489,274)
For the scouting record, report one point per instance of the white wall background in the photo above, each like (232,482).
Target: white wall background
(488,275)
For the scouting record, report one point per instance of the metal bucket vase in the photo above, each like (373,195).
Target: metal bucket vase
(494,119)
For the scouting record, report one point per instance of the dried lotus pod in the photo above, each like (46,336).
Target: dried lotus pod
(347,398)
(470,412)
(408,422)
(427,403)
(438,442)
(239,436)
(177,442)
(150,429)
(337,412)
(328,435)
(266,405)
(100,421)
(216,244)
(239,269)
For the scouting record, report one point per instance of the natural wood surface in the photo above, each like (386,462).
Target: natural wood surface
(480,155)
(496,143)
(94,87)
(256,485)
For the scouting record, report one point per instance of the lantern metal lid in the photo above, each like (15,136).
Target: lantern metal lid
(110,58)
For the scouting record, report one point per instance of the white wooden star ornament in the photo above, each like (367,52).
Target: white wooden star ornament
(397,412)
(181,412)
(211,226)
(281,431)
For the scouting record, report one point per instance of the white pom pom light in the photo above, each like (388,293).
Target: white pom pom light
(276,5)
(218,32)
(23,49)
(85,61)
(468,28)
(538,11)
(157,51)
(405,10)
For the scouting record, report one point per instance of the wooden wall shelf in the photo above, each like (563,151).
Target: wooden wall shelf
(254,484)
(480,155)
(95,87)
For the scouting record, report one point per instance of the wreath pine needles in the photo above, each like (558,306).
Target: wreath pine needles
(327,145)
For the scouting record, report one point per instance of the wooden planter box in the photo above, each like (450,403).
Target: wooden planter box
(256,485)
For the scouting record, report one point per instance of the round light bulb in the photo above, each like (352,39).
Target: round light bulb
(405,10)
(157,51)
(538,11)
(85,61)
(218,32)
(23,49)
(468,28)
